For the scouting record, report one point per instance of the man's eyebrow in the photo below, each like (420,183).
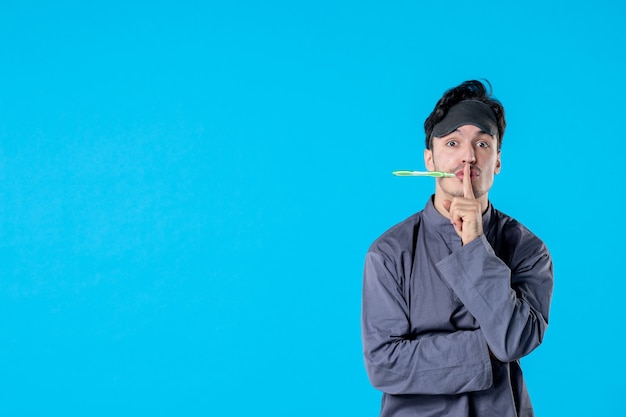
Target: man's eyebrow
(482,132)
(458,132)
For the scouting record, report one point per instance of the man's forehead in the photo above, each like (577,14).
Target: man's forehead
(470,130)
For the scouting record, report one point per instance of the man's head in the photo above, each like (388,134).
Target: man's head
(465,128)
(468,102)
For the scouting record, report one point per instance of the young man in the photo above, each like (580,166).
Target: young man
(456,294)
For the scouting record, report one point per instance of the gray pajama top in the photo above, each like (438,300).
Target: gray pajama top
(433,310)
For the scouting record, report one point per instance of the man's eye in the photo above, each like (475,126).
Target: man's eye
(451,143)
(482,144)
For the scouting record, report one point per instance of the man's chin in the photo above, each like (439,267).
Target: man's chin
(460,193)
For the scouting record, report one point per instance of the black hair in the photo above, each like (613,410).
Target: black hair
(469,90)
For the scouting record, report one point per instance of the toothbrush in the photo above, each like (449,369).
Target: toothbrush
(436,174)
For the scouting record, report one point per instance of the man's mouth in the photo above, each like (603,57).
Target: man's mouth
(473,174)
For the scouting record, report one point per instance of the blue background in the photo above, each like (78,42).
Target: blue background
(189,189)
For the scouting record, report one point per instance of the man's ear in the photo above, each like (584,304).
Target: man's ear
(428,160)
(498,164)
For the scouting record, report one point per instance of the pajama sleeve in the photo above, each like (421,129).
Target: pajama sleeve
(510,302)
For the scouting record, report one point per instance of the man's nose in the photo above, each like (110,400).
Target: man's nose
(468,155)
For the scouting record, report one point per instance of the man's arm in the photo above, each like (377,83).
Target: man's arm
(511,306)
(399,363)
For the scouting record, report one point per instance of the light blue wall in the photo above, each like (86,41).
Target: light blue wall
(189,189)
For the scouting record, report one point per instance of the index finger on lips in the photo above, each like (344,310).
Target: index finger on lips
(468,192)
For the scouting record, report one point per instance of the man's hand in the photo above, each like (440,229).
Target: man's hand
(465,212)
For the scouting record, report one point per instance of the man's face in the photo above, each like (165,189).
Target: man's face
(450,153)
